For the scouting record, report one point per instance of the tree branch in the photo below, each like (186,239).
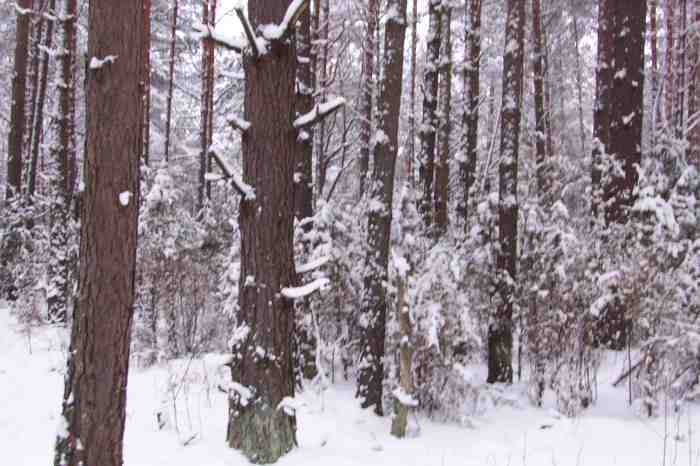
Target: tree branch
(249,33)
(243,188)
(207,33)
(319,112)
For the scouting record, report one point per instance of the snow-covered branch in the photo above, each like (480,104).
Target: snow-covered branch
(243,188)
(205,32)
(282,30)
(255,45)
(319,112)
(239,123)
(313,265)
(299,292)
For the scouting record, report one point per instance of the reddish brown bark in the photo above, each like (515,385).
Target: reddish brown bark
(543,182)
(95,396)
(442,166)
(367,92)
(171,80)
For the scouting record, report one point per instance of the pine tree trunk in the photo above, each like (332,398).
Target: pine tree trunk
(670,81)
(374,303)
(601,114)
(62,152)
(678,114)
(428,130)
(543,182)
(470,117)
(211,75)
(171,81)
(579,85)
(694,94)
(442,167)
(204,116)
(654,46)
(321,92)
(38,122)
(500,334)
(366,105)
(15,145)
(412,112)
(94,401)
(146,81)
(263,359)
(37,37)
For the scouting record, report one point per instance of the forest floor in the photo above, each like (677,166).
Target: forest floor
(332,428)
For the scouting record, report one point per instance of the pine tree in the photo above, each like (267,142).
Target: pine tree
(442,166)
(366,97)
(94,400)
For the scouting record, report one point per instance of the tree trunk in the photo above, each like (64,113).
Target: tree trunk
(678,115)
(694,94)
(15,145)
(579,85)
(62,152)
(303,182)
(321,162)
(601,114)
(374,303)
(470,117)
(171,81)
(146,81)
(543,182)
(94,401)
(367,92)
(428,130)
(204,116)
(412,112)
(654,46)
(442,167)
(38,123)
(262,367)
(670,81)
(500,335)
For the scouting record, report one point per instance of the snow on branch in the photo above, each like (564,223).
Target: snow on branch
(205,32)
(282,30)
(239,123)
(313,265)
(319,112)
(22,11)
(97,63)
(255,45)
(243,188)
(299,292)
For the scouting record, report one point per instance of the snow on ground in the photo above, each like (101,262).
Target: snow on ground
(332,429)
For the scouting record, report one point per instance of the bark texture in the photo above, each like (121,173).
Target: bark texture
(602,108)
(500,336)
(543,181)
(171,80)
(442,167)
(262,366)
(95,395)
(367,92)
(374,303)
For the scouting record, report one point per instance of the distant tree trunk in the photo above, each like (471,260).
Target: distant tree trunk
(36,39)
(694,94)
(15,145)
(257,426)
(412,112)
(324,45)
(366,105)
(94,400)
(211,74)
(678,116)
(547,96)
(654,46)
(470,117)
(579,85)
(171,81)
(543,182)
(626,121)
(204,115)
(500,334)
(442,167)
(62,152)
(670,81)
(146,80)
(428,130)
(374,302)
(603,104)
(38,122)
(303,182)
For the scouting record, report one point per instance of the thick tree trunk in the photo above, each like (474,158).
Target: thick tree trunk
(262,366)
(412,112)
(500,336)
(601,114)
(543,182)
(654,46)
(15,145)
(95,396)
(38,122)
(442,167)
(428,130)
(62,152)
(374,303)
(366,105)
(470,117)
(171,81)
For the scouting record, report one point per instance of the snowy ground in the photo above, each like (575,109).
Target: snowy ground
(332,429)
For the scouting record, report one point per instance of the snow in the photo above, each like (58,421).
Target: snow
(313,265)
(319,111)
(97,63)
(332,427)
(124,197)
(299,292)
(279,31)
(239,123)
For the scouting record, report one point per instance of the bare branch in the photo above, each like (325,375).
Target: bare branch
(243,188)
(205,32)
